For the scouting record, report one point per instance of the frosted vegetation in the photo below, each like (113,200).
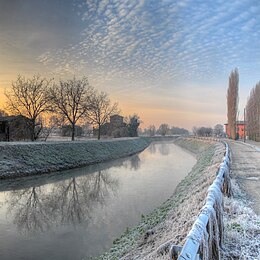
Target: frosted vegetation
(23,159)
(236,225)
(242,226)
(170,223)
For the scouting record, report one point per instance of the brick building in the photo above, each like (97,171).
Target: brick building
(116,127)
(240,130)
(14,128)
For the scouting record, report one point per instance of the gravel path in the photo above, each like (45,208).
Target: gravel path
(246,170)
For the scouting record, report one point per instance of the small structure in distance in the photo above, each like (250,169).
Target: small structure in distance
(14,128)
(240,130)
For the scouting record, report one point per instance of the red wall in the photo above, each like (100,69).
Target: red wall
(240,130)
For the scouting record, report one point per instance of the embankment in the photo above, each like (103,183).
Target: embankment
(171,222)
(23,159)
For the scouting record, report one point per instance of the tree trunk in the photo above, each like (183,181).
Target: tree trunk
(73,132)
(99,130)
(32,128)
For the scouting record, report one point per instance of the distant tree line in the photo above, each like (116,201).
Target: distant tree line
(163,130)
(48,104)
(217,131)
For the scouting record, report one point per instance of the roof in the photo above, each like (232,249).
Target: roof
(10,118)
(238,123)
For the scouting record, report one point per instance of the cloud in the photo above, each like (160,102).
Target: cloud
(150,40)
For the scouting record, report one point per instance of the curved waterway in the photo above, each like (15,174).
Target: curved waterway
(77,214)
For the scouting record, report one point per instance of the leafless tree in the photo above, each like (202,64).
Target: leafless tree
(71,99)
(178,131)
(218,130)
(151,130)
(232,102)
(253,114)
(204,131)
(29,97)
(101,110)
(164,129)
(195,130)
(49,124)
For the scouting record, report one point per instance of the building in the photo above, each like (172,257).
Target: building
(14,128)
(115,128)
(240,129)
(66,130)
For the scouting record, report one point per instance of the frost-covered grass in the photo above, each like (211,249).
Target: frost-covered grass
(22,159)
(171,222)
(242,227)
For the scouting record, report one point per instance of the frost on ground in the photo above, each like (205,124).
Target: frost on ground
(171,222)
(24,159)
(242,227)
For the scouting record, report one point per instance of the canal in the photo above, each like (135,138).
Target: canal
(76,214)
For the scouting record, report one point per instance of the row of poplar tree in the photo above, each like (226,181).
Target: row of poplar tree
(252,109)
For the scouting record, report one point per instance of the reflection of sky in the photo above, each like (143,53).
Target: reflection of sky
(84,210)
(177,54)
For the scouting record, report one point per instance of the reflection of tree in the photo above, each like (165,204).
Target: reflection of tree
(66,202)
(103,184)
(30,209)
(70,203)
(75,198)
(164,149)
(152,148)
(135,162)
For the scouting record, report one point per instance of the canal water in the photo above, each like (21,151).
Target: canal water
(77,214)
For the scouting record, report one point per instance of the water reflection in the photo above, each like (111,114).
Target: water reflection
(132,162)
(67,202)
(162,147)
(29,209)
(77,213)
(152,148)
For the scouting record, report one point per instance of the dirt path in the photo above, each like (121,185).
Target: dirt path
(246,170)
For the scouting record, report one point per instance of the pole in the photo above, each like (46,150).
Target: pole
(244,125)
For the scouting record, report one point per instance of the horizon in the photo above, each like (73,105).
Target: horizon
(167,61)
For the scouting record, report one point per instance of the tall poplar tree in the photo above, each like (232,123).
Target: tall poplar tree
(232,102)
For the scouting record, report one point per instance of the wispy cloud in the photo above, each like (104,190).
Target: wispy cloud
(151,40)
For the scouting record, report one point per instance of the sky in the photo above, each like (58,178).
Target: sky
(168,61)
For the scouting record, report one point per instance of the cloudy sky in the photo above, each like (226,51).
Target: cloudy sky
(167,60)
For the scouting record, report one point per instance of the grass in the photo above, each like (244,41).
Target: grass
(134,237)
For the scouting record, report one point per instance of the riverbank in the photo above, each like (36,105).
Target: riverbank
(171,222)
(27,158)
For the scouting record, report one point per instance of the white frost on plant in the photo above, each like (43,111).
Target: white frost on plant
(242,227)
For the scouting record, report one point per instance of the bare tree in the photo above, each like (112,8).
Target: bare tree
(151,130)
(232,102)
(178,131)
(218,130)
(49,124)
(71,99)
(195,130)
(253,114)
(204,131)
(101,110)
(164,129)
(29,97)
